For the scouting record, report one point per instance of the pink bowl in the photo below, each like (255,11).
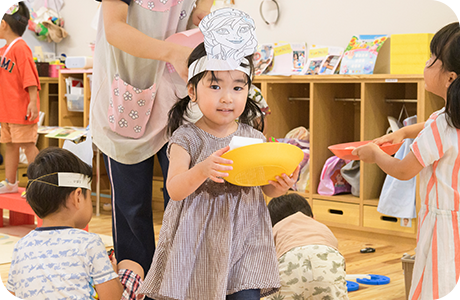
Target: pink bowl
(344,150)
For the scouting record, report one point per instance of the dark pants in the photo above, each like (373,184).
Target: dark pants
(245,295)
(132,220)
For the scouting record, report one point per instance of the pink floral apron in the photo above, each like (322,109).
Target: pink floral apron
(129,108)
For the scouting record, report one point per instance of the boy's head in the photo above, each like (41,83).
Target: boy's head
(17,18)
(44,194)
(287,205)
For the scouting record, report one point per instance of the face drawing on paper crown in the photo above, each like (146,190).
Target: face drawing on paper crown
(228,34)
(231,35)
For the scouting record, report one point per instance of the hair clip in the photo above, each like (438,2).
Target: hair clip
(10,6)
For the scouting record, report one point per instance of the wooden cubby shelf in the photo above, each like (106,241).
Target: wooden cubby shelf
(339,109)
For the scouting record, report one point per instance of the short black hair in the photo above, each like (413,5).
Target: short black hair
(18,21)
(46,199)
(284,206)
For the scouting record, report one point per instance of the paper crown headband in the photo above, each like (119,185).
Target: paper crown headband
(12,12)
(76,180)
(10,6)
(229,36)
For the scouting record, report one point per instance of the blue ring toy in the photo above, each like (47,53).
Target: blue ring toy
(375,280)
(352,286)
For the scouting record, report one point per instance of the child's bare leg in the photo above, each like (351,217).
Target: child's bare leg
(11,161)
(30,150)
(133,266)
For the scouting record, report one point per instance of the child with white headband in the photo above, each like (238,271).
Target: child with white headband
(216,240)
(60,260)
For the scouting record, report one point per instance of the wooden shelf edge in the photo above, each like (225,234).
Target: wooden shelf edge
(337,78)
(371,202)
(346,198)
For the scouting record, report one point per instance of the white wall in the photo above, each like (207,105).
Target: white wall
(320,22)
(334,22)
(78,15)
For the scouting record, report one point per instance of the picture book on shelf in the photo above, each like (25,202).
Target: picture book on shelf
(361,54)
(67,133)
(322,60)
(263,58)
(288,59)
(299,54)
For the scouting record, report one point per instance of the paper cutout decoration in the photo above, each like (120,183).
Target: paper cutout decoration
(10,6)
(229,36)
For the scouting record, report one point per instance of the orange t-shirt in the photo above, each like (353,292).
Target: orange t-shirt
(17,73)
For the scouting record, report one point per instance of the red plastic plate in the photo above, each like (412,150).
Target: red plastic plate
(344,150)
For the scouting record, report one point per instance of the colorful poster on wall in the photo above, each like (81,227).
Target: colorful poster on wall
(361,54)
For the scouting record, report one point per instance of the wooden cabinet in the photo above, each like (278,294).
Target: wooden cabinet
(49,105)
(346,108)
(66,116)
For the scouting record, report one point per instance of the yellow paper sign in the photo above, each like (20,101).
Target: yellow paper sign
(283,49)
(319,52)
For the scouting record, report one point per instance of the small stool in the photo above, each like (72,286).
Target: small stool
(20,211)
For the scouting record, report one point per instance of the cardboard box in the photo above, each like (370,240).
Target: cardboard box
(409,52)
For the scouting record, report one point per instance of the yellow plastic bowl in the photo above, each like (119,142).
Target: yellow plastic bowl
(255,165)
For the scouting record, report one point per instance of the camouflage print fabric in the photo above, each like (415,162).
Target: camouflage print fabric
(313,272)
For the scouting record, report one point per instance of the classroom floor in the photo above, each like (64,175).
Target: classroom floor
(385,261)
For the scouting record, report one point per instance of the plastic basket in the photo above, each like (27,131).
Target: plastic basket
(42,68)
(75,102)
(54,70)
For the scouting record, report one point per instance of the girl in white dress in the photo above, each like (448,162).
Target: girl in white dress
(435,155)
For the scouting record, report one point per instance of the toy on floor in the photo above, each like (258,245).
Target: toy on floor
(370,279)
(352,286)
(367,250)
(374,280)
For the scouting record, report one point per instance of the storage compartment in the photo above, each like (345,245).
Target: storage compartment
(380,101)
(290,108)
(336,114)
(75,102)
(374,219)
(336,212)
(22,175)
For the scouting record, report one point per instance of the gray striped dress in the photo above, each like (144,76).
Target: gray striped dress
(218,240)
